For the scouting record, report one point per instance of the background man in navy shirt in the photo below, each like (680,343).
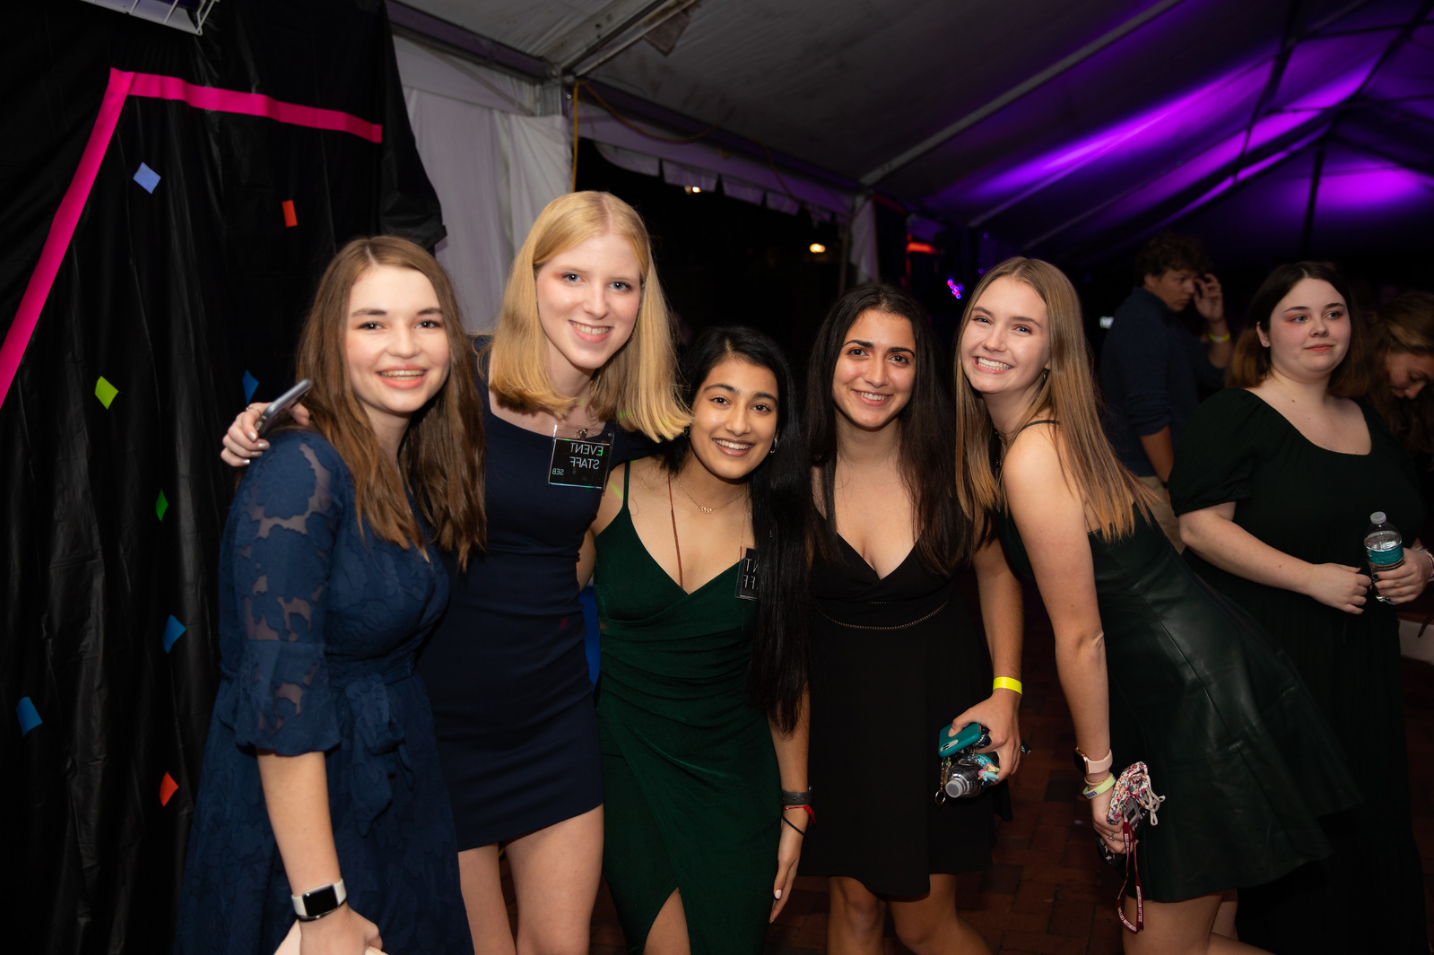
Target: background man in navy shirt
(1152,366)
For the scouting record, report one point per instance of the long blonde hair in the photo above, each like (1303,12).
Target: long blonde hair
(638,385)
(1066,394)
(441,457)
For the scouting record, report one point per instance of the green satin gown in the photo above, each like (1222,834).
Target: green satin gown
(690,784)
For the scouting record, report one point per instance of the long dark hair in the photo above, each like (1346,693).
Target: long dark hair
(1250,364)
(928,467)
(781,497)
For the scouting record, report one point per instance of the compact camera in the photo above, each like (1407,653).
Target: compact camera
(964,772)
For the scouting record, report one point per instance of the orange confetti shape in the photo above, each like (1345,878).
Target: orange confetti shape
(291,218)
(167,788)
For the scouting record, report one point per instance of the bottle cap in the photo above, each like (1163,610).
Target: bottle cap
(1377,517)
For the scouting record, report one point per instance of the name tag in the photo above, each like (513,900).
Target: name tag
(747,576)
(580,462)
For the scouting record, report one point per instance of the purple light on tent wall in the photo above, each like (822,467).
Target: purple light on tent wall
(1337,90)
(1375,186)
(1169,120)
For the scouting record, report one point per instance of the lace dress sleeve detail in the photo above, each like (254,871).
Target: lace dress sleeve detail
(289,515)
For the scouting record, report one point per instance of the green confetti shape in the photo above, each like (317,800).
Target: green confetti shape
(105,391)
(161,505)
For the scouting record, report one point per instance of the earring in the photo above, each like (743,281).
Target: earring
(774,447)
(686,430)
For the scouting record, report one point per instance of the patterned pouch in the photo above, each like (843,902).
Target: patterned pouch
(1131,800)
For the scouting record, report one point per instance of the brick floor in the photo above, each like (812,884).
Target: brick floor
(1047,892)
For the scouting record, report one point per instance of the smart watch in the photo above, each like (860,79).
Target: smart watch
(1089,767)
(317,903)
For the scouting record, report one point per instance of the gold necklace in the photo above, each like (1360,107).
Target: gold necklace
(709,510)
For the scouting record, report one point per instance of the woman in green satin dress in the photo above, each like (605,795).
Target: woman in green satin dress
(1156,667)
(702,694)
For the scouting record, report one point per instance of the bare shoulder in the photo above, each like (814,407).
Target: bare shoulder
(1033,459)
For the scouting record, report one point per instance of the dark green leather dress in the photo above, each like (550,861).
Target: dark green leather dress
(690,782)
(1232,737)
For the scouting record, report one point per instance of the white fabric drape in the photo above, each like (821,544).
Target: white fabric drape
(493,164)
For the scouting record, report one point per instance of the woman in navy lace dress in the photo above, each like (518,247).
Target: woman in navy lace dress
(321,781)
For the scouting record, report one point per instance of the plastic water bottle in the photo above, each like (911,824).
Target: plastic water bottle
(1383,545)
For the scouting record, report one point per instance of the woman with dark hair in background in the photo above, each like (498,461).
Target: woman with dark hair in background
(321,779)
(1275,482)
(1155,667)
(894,653)
(702,699)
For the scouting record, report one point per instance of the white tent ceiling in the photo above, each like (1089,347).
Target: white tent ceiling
(1063,125)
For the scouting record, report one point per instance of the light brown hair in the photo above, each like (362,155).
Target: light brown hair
(441,457)
(1404,326)
(1250,364)
(1067,394)
(638,384)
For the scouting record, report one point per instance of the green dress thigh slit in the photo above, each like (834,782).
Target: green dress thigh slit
(690,783)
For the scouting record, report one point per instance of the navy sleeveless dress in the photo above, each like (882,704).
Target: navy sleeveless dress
(506,669)
(319,623)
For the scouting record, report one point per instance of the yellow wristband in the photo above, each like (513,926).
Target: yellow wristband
(1090,792)
(1006,683)
(1219,339)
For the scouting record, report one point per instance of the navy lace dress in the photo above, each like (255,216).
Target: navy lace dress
(319,626)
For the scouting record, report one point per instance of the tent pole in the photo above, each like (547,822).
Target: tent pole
(1306,239)
(845,256)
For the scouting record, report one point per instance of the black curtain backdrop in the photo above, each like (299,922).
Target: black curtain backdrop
(182,299)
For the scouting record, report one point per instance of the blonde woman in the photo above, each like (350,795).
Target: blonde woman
(321,780)
(1154,666)
(582,351)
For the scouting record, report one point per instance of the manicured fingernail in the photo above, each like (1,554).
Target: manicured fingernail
(778,893)
(263,445)
(253,436)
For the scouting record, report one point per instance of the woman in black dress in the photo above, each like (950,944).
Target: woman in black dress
(1275,482)
(894,653)
(1156,668)
(583,350)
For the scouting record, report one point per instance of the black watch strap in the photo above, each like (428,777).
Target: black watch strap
(803,798)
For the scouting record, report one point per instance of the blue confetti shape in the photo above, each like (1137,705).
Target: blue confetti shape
(147,178)
(250,383)
(173,630)
(26,713)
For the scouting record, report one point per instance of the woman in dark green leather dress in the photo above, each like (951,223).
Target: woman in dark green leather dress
(1155,666)
(702,695)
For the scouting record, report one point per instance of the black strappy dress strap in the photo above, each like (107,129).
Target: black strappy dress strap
(1039,421)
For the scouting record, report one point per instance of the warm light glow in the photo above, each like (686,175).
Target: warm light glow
(925,248)
(691,190)
(817,248)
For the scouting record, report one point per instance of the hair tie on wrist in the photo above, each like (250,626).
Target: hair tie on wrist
(1007,683)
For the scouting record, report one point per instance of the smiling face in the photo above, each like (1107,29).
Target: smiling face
(1175,287)
(588,297)
(1408,373)
(395,346)
(876,370)
(1309,331)
(1006,344)
(734,418)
